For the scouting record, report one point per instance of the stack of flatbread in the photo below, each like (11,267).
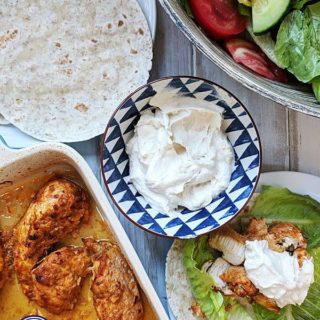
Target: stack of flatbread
(67,64)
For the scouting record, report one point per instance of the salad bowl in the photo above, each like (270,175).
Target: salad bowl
(294,96)
(240,131)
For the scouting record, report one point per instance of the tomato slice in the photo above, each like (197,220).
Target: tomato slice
(280,74)
(251,56)
(218,18)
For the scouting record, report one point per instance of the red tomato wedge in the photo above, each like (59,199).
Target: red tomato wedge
(280,74)
(218,18)
(251,56)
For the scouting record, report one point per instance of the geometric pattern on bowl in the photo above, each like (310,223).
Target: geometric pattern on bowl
(241,133)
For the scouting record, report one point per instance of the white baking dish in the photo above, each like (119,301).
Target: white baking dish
(18,165)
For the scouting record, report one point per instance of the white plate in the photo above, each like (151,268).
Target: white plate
(297,182)
(13,138)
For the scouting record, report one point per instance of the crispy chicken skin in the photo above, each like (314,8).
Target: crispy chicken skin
(257,229)
(237,280)
(58,209)
(58,278)
(280,236)
(115,290)
(285,236)
(268,303)
(301,254)
(196,310)
(4,272)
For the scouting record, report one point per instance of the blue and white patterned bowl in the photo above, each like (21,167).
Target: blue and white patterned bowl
(240,131)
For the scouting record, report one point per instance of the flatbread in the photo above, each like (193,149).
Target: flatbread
(3,120)
(178,288)
(67,64)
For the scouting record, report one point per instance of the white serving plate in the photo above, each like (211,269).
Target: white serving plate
(302,183)
(297,182)
(13,138)
(20,164)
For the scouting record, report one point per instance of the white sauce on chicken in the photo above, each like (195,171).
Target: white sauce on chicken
(278,275)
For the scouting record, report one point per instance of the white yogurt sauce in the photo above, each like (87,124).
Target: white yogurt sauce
(179,155)
(278,275)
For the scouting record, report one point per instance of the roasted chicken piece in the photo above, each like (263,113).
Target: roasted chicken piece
(230,243)
(237,280)
(301,254)
(280,236)
(7,245)
(285,236)
(196,310)
(115,290)
(267,303)
(4,271)
(57,210)
(257,229)
(58,278)
(215,269)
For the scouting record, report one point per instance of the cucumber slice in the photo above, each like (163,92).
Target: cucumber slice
(267,13)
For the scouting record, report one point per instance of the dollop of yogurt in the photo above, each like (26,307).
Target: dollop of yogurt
(278,275)
(179,155)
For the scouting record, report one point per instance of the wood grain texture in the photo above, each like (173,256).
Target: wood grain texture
(269,117)
(289,140)
(172,51)
(172,56)
(304,135)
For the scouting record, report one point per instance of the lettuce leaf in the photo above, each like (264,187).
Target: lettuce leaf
(202,251)
(195,253)
(299,4)
(280,204)
(213,304)
(237,311)
(262,313)
(186,6)
(310,309)
(298,43)
(316,87)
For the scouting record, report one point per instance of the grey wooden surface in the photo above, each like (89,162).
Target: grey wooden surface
(290,140)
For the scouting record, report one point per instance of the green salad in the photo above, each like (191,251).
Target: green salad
(293,28)
(273,205)
(286,34)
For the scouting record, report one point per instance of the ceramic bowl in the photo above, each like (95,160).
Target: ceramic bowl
(240,131)
(295,96)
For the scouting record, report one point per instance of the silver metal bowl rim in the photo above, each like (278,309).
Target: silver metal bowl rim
(286,95)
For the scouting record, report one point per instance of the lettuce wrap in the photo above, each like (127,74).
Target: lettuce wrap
(273,204)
